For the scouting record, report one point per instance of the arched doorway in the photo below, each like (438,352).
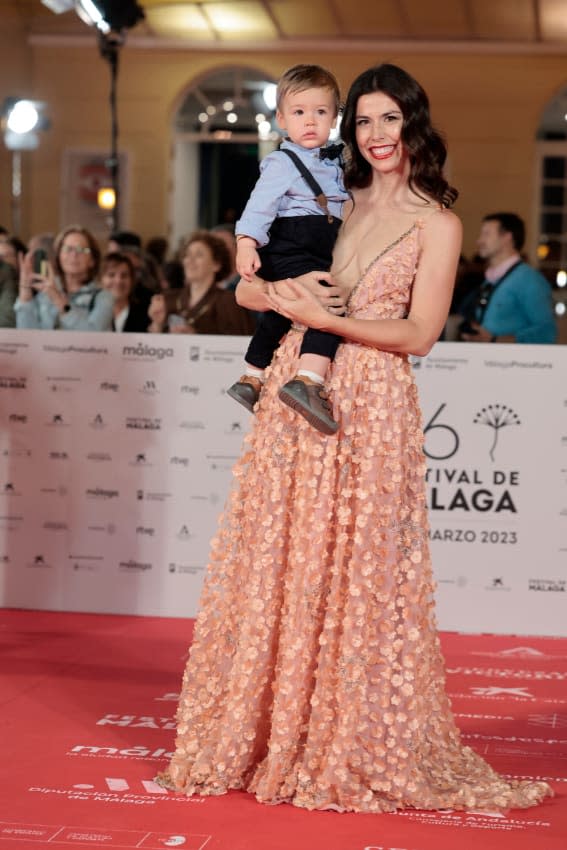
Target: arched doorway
(551,207)
(225,123)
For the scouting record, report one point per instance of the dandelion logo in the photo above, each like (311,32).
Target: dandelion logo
(496,416)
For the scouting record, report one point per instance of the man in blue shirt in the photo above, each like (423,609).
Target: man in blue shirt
(514,304)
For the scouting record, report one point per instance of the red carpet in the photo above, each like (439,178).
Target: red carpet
(87,704)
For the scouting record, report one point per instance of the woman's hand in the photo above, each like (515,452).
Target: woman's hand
(293,300)
(26,277)
(329,295)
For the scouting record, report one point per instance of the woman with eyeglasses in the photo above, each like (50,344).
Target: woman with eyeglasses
(64,295)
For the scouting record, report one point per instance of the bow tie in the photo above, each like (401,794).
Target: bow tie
(331,152)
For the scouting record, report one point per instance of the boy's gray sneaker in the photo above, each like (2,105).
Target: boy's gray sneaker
(246,391)
(309,399)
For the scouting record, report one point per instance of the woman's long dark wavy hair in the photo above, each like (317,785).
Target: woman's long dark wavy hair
(426,148)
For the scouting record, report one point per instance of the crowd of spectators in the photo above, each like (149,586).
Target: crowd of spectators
(69,281)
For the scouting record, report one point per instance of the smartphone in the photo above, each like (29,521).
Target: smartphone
(174,320)
(39,262)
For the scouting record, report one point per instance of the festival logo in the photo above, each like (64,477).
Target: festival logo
(143,351)
(496,416)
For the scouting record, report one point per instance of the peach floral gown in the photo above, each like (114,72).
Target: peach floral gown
(315,675)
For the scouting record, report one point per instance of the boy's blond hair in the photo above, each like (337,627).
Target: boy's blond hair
(302,77)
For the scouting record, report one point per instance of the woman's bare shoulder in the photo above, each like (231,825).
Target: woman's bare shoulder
(441,223)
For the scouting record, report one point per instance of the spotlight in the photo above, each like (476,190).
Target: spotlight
(114,14)
(21,119)
(269,95)
(105,15)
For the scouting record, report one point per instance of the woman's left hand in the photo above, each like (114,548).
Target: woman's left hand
(297,304)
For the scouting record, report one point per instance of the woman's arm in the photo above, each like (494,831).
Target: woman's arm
(254,294)
(431,298)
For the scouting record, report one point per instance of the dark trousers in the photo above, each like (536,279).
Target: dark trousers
(297,245)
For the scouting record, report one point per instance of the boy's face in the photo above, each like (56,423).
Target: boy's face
(308,116)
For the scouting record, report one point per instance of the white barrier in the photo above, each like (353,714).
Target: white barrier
(116,451)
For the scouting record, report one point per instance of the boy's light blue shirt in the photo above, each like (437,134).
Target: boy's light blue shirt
(282,192)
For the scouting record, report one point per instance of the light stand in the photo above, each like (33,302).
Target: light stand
(109,45)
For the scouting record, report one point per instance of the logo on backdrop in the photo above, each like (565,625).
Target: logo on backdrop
(97,422)
(176,460)
(496,416)
(58,456)
(146,352)
(548,585)
(140,459)
(143,423)
(10,489)
(62,384)
(132,566)
(18,418)
(190,389)
(194,353)
(109,386)
(7,382)
(86,563)
(101,493)
(185,569)
(149,388)
(99,457)
(17,451)
(454,489)
(58,421)
(39,562)
(109,528)
(152,496)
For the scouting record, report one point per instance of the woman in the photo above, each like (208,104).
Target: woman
(119,278)
(67,297)
(201,306)
(315,674)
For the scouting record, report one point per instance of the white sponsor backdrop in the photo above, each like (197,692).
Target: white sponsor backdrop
(115,459)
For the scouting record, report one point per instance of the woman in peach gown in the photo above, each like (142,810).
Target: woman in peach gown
(315,675)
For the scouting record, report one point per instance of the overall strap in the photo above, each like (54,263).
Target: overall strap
(483,305)
(320,196)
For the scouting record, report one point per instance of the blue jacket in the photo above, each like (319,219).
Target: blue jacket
(522,306)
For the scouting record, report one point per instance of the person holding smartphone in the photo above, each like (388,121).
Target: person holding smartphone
(202,306)
(65,295)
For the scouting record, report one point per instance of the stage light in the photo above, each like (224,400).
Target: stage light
(105,15)
(561,278)
(59,6)
(106,198)
(23,117)
(90,13)
(269,95)
(560,309)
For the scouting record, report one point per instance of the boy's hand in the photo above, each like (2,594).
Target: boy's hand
(247,259)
